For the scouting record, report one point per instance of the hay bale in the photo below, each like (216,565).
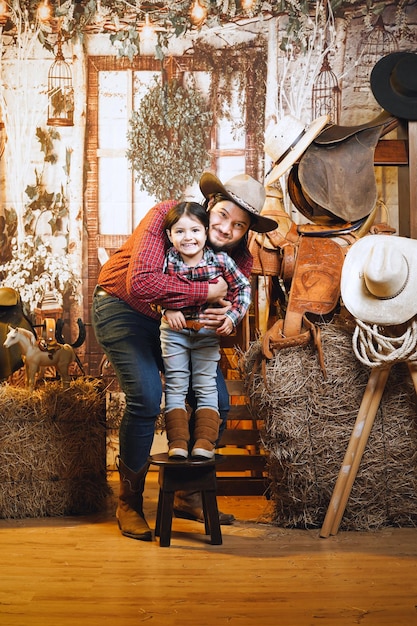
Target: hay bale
(308,424)
(53,450)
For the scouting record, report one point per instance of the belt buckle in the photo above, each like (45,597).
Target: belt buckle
(99,291)
(194,325)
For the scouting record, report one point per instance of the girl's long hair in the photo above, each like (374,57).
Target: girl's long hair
(192,209)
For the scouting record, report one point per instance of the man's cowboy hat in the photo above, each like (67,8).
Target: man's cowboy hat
(394,84)
(286,141)
(378,279)
(244,191)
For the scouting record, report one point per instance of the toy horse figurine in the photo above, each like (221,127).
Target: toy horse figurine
(35,358)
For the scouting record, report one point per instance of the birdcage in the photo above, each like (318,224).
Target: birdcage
(325,97)
(60,90)
(378,43)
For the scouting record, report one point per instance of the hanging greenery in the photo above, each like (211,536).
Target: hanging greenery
(167,138)
(122,20)
(240,69)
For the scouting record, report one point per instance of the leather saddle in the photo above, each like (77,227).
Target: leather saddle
(336,173)
(315,289)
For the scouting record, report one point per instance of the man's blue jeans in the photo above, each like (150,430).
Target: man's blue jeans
(131,342)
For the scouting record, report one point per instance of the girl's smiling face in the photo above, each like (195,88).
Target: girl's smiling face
(188,235)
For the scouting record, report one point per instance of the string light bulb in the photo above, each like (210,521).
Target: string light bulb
(44,11)
(148,30)
(198,14)
(3,11)
(247,4)
(148,37)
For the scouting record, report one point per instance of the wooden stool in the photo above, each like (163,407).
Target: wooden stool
(187,475)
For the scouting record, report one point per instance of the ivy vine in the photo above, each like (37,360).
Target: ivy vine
(167,139)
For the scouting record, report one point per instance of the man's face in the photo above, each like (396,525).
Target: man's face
(228,225)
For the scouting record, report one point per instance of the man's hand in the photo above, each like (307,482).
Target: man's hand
(215,317)
(217,290)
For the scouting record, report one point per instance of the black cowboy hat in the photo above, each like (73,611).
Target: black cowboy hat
(394,84)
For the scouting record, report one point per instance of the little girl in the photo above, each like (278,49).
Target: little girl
(189,349)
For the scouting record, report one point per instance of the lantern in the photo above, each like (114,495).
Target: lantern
(60,90)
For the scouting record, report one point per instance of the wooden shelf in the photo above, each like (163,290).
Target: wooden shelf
(391,152)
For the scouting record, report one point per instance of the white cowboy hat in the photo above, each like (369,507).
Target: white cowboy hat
(286,141)
(378,279)
(243,190)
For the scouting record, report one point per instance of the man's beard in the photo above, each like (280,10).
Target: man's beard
(224,248)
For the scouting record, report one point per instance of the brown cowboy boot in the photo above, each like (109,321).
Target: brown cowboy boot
(176,423)
(129,512)
(206,432)
(188,505)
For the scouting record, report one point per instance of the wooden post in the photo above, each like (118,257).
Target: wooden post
(358,440)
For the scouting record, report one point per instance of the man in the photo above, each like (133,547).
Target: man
(127,328)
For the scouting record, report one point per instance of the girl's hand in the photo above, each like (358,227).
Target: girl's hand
(175,319)
(226,328)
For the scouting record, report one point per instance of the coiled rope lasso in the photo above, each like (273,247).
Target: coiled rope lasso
(372,348)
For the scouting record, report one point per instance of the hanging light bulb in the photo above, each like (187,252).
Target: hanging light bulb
(247,4)
(148,38)
(148,30)
(3,12)
(44,11)
(198,14)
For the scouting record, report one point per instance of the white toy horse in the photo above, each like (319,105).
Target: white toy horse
(35,358)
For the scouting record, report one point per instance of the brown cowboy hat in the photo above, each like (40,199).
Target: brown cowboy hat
(243,190)
(394,84)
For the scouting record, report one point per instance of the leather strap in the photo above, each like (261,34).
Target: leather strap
(274,340)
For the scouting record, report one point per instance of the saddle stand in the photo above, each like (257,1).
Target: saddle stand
(359,438)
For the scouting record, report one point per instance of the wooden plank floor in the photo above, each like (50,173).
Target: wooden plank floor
(70,571)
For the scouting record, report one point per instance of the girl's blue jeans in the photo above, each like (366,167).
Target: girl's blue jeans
(187,351)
